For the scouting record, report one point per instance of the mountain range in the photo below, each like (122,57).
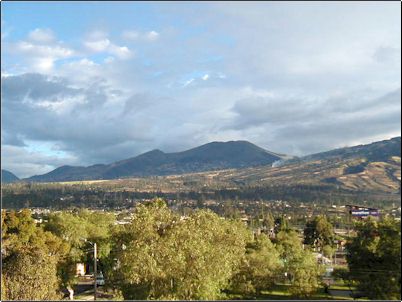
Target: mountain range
(241,155)
(211,156)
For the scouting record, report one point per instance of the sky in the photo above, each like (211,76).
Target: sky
(96,82)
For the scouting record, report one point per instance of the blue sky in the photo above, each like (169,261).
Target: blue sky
(96,82)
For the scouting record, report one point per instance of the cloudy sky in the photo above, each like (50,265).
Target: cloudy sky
(96,82)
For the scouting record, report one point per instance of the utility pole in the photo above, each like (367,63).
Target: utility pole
(95,271)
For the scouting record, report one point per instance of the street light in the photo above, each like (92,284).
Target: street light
(95,264)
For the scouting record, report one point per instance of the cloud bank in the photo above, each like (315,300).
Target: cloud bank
(292,78)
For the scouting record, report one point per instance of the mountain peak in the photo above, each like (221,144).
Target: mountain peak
(211,156)
(7,176)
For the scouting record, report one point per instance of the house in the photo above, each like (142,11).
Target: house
(80,269)
(361,212)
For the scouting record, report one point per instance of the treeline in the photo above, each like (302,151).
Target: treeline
(59,196)
(163,255)
(159,255)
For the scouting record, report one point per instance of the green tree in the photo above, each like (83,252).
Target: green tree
(31,274)
(74,228)
(94,226)
(259,268)
(268,221)
(328,251)
(3,288)
(300,265)
(161,256)
(319,232)
(306,274)
(374,258)
(31,258)
(281,224)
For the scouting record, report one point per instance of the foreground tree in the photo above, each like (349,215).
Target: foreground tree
(31,259)
(31,274)
(300,265)
(374,259)
(161,256)
(259,269)
(74,228)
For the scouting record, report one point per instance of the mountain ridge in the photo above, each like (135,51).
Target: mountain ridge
(8,177)
(379,150)
(210,156)
(215,156)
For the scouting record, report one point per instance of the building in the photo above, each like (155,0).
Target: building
(360,212)
(80,269)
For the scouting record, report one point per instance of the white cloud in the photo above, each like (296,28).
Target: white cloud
(42,35)
(43,64)
(97,35)
(134,35)
(41,50)
(25,163)
(98,42)
(152,35)
(42,57)
(54,51)
(79,71)
(130,35)
(188,82)
(98,45)
(121,52)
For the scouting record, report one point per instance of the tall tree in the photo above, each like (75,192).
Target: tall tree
(300,265)
(319,232)
(259,268)
(374,258)
(280,224)
(31,258)
(162,256)
(31,274)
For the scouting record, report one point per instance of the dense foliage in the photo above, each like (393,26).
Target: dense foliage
(374,259)
(31,257)
(319,233)
(300,265)
(165,257)
(161,254)
(259,269)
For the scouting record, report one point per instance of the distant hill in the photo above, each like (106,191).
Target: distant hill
(366,171)
(374,168)
(7,176)
(211,156)
(377,151)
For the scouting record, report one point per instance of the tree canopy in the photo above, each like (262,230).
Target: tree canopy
(167,257)
(374,258)
(319,232)
(300,264)
(260,267)
(31,259)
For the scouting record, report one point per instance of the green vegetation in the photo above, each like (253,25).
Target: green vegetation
(160,254)
(319,233)
(31,259)
(374,259)
(300,265)
(168,258)
(259,268)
